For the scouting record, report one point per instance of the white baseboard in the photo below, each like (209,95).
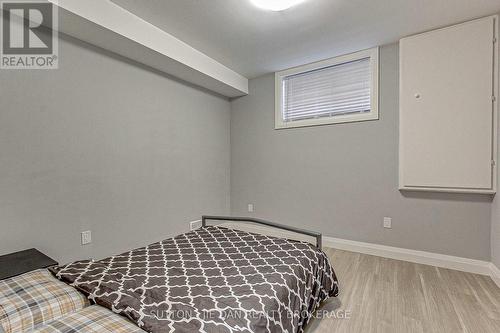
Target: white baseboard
(415,256)
(495,273)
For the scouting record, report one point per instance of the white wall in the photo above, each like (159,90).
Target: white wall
(495,211)
(343,179)
(106,145)
(495,232)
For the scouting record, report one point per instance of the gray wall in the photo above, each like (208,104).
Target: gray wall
(106,145)
(343,179)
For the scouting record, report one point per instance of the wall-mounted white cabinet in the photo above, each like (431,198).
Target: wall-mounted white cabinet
(448,80)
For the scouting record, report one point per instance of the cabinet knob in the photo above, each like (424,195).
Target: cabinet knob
(417,95)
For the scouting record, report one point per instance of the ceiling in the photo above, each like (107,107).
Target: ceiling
(254,42)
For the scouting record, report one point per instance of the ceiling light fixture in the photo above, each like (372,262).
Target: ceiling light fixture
(275,5)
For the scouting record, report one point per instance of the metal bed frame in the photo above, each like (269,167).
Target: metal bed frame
(314,234)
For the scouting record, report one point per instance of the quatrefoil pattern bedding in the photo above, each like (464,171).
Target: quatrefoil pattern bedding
(212,279)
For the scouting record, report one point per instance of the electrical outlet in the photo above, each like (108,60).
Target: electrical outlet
(86,237)
(388,222)
(250,208)
(193,225)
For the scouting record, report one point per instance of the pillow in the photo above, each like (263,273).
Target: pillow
(94,318)
(35,298)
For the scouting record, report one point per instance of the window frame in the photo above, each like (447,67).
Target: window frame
(372,53)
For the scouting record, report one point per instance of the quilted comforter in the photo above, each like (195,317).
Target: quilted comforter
(213,279)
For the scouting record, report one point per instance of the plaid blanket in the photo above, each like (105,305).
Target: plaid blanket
(210,280)
(35,298)
(92,319)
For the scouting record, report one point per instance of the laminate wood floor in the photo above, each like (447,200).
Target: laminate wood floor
(385,295)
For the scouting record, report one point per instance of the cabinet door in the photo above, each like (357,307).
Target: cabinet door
(446,108)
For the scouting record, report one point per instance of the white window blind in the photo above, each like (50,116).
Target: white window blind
(326,92)
(341,89)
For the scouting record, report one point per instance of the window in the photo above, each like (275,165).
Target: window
(338,90)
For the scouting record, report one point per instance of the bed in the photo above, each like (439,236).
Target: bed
(213,279)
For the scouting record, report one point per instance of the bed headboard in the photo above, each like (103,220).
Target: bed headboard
(314,234)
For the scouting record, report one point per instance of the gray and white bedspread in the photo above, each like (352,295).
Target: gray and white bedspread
(213,279)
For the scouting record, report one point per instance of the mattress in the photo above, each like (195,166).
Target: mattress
(213,279)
